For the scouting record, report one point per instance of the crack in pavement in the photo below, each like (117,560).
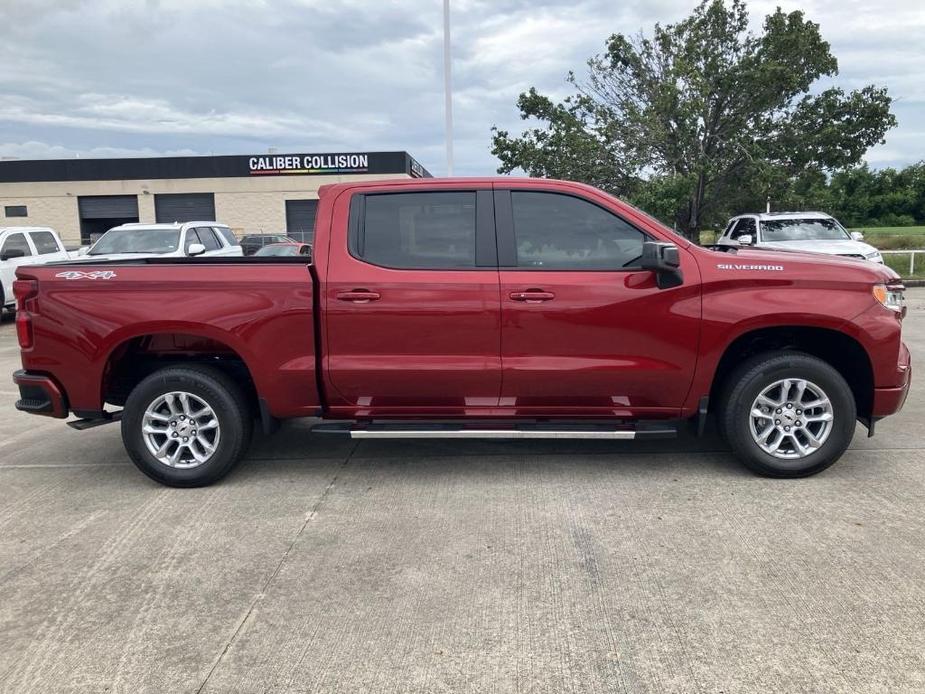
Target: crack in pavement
(263,590)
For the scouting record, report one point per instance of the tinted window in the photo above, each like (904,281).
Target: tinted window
(207,239)
(16,242)
(44,242)
(418,230)
(227,234)
(744,226)
(191,238)
(561,232)
(16,211)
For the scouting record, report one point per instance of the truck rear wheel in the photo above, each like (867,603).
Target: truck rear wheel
(788,414)
(186,426)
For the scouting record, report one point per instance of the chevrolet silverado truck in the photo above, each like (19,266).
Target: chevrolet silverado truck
(468,308)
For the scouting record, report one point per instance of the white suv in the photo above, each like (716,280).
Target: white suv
(797,231)
(176,240)
(25,246)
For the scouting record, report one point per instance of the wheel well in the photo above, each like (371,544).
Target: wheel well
(841,351)
(136,358)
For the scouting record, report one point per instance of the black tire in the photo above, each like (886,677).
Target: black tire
(757,373)
(219,392)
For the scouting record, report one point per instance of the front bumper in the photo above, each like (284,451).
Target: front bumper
(889,401)
(40,394)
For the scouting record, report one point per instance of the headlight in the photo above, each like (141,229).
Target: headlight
(875,257)
(891,297)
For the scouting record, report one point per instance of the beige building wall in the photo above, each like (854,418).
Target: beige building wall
(246,204)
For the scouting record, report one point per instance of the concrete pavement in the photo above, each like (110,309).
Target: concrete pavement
(322,565)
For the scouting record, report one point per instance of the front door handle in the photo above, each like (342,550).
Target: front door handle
(532,296)
(358,296)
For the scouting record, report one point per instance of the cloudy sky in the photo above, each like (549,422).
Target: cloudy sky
(121,78)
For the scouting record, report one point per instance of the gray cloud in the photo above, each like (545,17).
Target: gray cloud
(114,77)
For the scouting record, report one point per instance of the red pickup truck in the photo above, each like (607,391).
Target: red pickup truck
(496,307)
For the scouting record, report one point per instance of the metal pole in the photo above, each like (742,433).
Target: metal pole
(448,87)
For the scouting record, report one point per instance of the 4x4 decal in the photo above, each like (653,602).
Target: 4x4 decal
(95,275)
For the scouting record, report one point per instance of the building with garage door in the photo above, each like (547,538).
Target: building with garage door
(259,193)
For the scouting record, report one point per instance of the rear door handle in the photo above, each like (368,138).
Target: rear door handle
(532,296)
(358,296)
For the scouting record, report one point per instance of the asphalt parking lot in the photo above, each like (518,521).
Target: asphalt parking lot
(322,565)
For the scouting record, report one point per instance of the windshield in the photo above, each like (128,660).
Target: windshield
(280,249)
(138,240)
(802,230)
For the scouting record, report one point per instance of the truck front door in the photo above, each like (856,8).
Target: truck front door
(584,330)
(412,304)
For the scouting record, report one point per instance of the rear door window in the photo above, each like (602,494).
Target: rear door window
(227,234)
(44,242)
(426,230)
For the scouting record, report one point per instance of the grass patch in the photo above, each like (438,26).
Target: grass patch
(900,263)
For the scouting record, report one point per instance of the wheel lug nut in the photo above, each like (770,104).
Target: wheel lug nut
(185,439)
(779,410)
(785,429)
(799,423)
(777,421)
(799,411)
(175,434)
(789,405)
(173,423)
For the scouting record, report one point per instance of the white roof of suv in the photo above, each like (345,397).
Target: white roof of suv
(768,216)
(171,225)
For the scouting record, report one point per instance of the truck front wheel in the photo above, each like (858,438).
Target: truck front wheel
(788,414)
(186,426)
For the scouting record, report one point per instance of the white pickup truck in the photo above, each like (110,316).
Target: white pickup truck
(25,246)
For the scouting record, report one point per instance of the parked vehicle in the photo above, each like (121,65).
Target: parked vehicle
(285,249)
(175,240)
(25,246)
(251,243)
(798,231)
(496,307)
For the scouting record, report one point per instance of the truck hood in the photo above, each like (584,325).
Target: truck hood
(834,247)
(794,263)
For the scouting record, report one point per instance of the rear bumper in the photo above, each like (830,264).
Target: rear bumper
(40,394)
(889,401)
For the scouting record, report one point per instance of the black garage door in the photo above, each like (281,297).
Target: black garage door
(99,213)
(184,207)
(300,219)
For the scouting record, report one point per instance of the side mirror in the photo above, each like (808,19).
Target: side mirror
(195,249)
(746,240)
(857,236)
(664,260)
(13,253)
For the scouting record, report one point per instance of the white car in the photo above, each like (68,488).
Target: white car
(797,231)
(25,246)
(176,240)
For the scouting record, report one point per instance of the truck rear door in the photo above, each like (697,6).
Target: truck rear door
(584,330)
(412,303)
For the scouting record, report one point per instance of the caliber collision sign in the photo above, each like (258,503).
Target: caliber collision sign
(289,164)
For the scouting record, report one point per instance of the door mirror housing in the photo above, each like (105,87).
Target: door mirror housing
(857,236)
(13,253)
(195,249)
(746,240)
(664,260)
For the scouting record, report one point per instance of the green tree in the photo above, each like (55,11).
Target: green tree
(698,113)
